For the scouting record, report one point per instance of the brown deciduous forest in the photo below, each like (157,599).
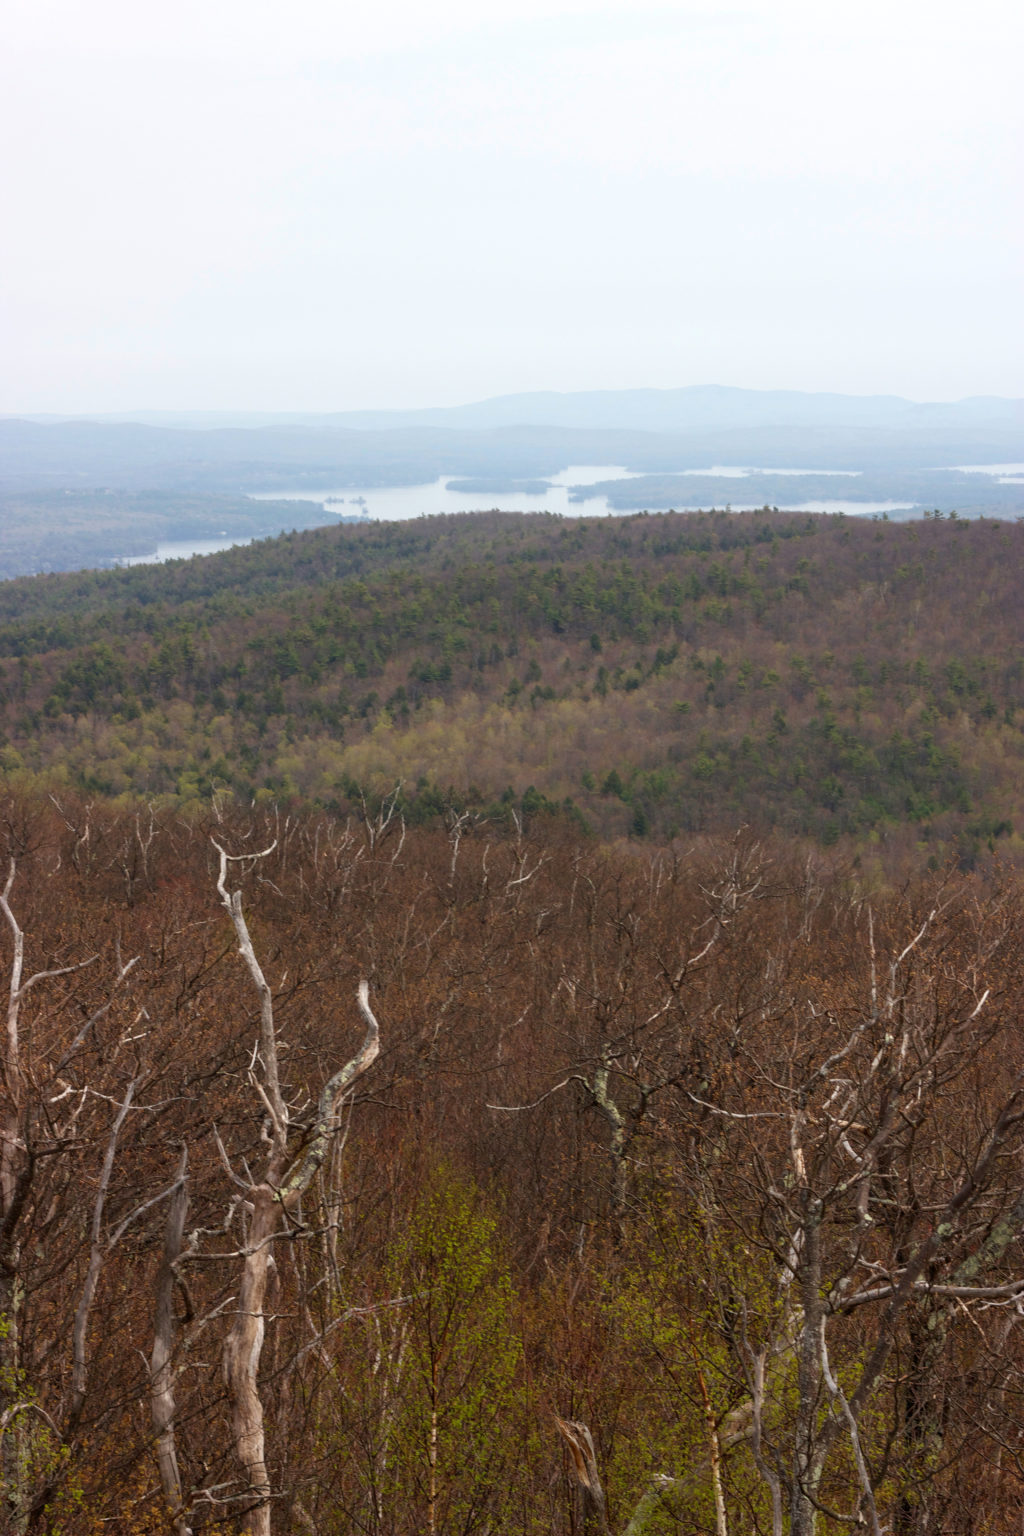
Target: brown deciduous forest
(359,1177)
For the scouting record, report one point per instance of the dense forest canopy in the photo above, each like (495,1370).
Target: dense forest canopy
(845,680)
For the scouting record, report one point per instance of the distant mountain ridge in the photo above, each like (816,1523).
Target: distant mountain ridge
(702,407)
(693,408)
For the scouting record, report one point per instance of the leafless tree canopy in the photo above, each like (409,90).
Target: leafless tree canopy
(357,1180)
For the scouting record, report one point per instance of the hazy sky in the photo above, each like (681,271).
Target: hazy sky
(247,204)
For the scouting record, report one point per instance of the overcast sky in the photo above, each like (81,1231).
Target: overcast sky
(247,204)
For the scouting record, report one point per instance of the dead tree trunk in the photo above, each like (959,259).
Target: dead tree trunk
(288,1174)
(593,1509)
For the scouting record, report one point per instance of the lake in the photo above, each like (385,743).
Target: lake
(1006,474)
(398,503)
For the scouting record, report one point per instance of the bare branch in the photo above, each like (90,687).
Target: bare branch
(232,903)
(9,1415)
(839,1396)
(300,1177)
(515,1109)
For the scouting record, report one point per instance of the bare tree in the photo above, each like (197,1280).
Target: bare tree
(295,1151)
(34,1135)
(842,1144)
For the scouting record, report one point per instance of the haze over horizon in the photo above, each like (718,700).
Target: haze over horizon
(229,209)
(686,409)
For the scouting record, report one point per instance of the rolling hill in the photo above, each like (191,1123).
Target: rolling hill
(654,676)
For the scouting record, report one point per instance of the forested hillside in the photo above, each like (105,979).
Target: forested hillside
(652,676)
(514,1025)
(711,1157)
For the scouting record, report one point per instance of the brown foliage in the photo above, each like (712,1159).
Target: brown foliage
(648,1071)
